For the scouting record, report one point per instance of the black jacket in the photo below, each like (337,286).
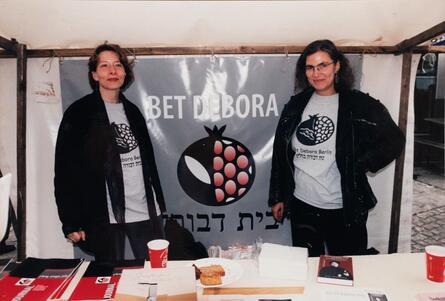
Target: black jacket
(367,140)
(86,158)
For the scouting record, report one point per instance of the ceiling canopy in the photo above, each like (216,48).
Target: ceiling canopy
(86,23)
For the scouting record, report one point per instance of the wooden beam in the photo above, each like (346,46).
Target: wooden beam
(422,37)
(86,52)
(8,45)
(400,162)
(21,150)
(282,49)
(429,49)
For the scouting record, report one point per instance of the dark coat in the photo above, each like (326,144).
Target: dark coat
(86,158)
(367,140)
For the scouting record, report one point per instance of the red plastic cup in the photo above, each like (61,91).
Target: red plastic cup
(435,263)
(158,253)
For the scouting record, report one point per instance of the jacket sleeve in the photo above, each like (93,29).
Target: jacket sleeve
(66,168)
(385,141)
(276,193)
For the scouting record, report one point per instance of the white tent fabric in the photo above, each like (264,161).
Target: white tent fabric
(8,121)
(80,24)
(382,82)
(44,237)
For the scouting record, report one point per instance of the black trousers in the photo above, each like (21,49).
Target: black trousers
(323,231)
(107,242)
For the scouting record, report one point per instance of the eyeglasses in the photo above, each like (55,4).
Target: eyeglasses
(320,67)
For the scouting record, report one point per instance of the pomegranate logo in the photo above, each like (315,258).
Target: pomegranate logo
(216,170)
(125,140)
(315,130)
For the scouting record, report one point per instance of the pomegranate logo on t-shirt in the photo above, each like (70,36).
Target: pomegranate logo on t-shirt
(125,140)
(216,170)
(315,130)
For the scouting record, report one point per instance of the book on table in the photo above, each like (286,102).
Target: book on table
(36,279)
(98,281)
(335,270)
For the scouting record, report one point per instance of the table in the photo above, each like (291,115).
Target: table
(401,276)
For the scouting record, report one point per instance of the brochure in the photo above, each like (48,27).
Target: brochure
(36,279)
(100,280)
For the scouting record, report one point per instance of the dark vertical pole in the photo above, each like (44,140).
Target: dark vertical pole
(21,150)
(398,174)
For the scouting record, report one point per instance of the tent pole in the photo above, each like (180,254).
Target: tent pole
(8,45)
(420,38)
(21,150)
(398,174)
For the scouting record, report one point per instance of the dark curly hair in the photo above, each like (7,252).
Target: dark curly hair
(344,78)
(128,65)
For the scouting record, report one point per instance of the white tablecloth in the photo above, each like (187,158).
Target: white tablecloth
(401,276)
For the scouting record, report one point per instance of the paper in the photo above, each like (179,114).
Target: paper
(354,294)
(129,284)
(283,262)
(431,297)
(253,298)
(170,280)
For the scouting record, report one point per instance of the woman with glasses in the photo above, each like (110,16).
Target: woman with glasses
(106,181)
(328,137)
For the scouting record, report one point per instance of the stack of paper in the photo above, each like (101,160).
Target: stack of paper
(284,262)
(172,283)
(129,287)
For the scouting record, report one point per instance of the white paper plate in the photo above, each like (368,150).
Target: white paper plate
(233,270)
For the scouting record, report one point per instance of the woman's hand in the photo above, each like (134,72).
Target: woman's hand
(74,237)
(277,211)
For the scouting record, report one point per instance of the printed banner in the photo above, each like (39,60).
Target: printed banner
(212,121)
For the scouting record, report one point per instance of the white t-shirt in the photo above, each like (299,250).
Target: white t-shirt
(134,189)
(316,175)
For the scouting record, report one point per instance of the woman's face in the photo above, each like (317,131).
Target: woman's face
(110,73)
(320,72)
